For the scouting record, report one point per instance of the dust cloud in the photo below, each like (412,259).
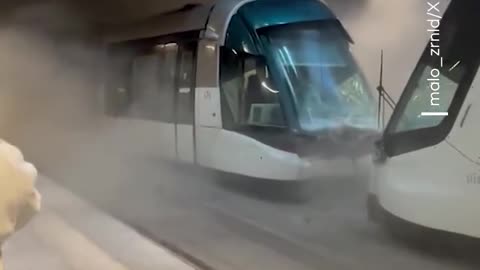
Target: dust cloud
(50,73)
(51,105)
(48,76)
(399,28)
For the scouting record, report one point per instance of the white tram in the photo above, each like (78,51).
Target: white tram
(266,89)
(428,162)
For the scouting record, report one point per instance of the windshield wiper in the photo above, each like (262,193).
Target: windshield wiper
(383,98)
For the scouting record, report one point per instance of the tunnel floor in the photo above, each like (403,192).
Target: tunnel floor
(232,223)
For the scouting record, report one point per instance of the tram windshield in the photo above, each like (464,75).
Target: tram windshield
(328,88)
(433,97)
(441,75)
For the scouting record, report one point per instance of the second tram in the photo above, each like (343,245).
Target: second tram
(428,171)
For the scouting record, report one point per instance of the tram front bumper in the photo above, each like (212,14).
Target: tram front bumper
(326,169)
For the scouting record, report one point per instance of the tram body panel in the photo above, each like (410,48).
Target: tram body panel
(207,93)
(236,153)
(432,187)
(207,109)
(428,165)
(439,186)
(152,138)
(466,131)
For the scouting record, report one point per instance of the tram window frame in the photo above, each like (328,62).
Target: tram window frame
(124,90)
(236,71)
(163,109)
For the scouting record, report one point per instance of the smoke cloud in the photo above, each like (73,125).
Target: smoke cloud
(48,72)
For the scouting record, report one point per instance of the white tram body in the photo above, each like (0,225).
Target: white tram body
(428,170)
(266,89)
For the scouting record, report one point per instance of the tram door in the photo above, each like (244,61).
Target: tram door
(184,103)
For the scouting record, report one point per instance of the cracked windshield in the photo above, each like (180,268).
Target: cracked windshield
(239,135)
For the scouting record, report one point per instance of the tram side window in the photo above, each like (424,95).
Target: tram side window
(150,87)
(248,96)
(153,84)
